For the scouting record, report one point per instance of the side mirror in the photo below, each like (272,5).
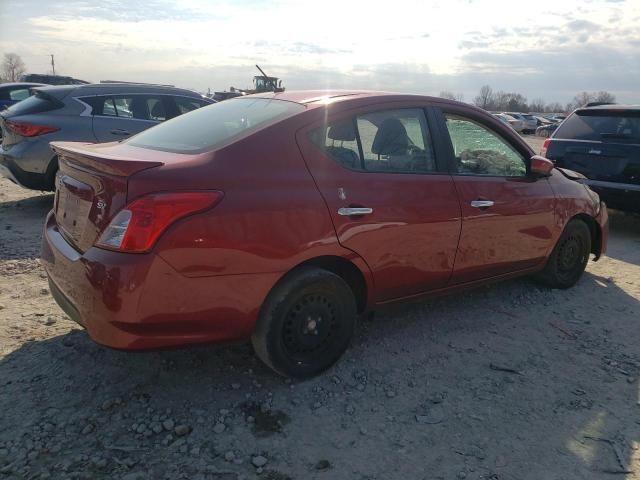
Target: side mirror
(540,166)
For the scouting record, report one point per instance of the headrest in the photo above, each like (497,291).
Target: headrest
(391,138)
(342,131)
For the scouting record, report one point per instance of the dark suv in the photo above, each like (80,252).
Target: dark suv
(603,144)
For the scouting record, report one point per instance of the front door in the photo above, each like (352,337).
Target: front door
(507,214)
(390,200)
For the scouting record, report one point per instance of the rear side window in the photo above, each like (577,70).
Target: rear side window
(598,125)
(384,141)
(140,107)
(215,125)
(38,103)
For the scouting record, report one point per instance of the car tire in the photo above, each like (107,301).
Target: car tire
(569,257)
(50,175)
(306,323)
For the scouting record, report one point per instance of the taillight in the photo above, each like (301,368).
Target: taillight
(29,129)
(545,147)
(136,228)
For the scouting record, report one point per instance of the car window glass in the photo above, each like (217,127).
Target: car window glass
(339,141)
(155,107)
(38,103)
(186,104)
(481,151)
(17,95)
(608,127)
(396,141)
(391,141)
(101,105)
(124,106)
(218,124)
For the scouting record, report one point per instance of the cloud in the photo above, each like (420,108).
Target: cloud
(580,25)
(455,45)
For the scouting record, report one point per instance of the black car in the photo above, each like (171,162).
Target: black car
(603,144)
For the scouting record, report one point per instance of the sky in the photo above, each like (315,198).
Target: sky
(549,49)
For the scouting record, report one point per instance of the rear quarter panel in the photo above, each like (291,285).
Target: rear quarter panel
(272,216)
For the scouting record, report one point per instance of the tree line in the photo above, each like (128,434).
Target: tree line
(516,102)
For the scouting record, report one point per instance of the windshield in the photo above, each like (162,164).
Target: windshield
(215,125)
(598,125)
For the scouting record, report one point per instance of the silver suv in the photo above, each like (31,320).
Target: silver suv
(85,113)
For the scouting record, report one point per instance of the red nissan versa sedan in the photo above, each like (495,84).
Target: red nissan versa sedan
(281,217)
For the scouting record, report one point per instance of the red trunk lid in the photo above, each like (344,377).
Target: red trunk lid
(91,186)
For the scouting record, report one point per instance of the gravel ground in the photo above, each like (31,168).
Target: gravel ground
(505,382)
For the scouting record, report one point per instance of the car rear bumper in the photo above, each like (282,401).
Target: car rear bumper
(138,301)
(619,196)
(11,170)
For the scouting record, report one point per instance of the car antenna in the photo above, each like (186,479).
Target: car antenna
(269,79)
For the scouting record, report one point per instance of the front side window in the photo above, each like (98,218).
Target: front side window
(395,141)
(481,151)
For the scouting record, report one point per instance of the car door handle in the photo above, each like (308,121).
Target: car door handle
(482,203)
(352,211)
(119,131)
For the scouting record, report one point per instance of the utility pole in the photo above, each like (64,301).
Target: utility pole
(53,64)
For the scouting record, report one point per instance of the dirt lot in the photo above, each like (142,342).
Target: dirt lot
(505,382)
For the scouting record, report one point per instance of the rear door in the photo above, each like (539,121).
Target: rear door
(507,215)
(391,200)
(119,116)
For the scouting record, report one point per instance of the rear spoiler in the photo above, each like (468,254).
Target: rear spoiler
(84,156)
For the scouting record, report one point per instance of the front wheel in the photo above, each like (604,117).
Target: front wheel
(569,257)
(306,323)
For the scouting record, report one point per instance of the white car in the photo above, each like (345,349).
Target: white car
(517,125)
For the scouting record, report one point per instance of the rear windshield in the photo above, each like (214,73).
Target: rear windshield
(606,126)
(212,126)
(38,103)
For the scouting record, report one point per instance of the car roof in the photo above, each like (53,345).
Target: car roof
(612,106)
(21,84)
(323,97)
(113,88)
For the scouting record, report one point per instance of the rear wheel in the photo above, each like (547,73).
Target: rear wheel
(306,323)
(49,183)
(569,257)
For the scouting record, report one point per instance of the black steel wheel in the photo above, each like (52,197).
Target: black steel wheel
(306,323)
(569,258)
